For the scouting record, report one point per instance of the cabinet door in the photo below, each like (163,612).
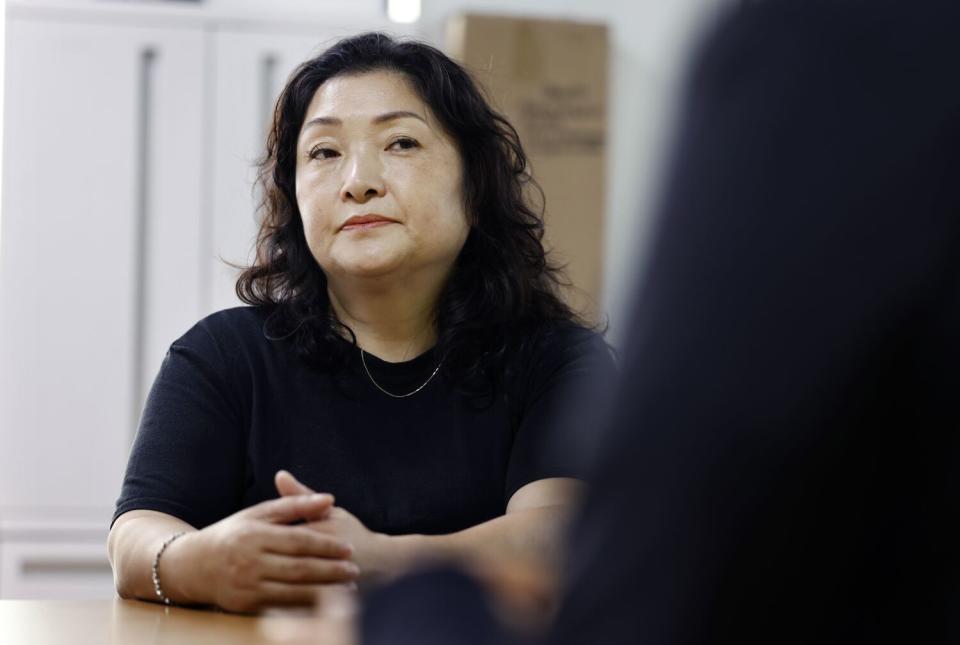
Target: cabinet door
(251,68)
(101,217)
(250,71)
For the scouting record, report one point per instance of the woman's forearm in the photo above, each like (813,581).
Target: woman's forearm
(256,557)
(134,541)
(533,536)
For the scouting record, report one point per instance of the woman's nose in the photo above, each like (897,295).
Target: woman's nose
(363,180)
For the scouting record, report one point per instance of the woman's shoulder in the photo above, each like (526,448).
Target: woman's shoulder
(233,331)
(558,362)
(565,336)
(560,344)
(244,321)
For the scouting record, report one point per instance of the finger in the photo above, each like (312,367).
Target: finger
(304,570)
(297,540)
(285,593)
(290,509)
(287,484)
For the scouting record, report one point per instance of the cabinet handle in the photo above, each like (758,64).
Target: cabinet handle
(65,567)
(268,73)
(148,57)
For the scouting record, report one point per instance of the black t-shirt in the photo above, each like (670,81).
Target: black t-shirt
(230,407)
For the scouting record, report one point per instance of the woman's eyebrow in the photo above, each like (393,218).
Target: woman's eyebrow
(381,118)
(398,114)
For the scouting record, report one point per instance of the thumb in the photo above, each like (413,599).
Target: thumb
(293,508)
(287,485)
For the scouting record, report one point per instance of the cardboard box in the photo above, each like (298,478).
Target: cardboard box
(549,78)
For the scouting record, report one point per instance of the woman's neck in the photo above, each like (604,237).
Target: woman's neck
(393,324)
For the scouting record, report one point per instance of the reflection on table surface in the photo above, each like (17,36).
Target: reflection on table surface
(38,622)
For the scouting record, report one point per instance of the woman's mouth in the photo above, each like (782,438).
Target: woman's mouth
(363,222)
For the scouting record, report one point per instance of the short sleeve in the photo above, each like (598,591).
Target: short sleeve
(565,377)
(188,456)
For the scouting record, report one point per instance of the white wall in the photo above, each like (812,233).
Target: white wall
(3,49)
(650,40)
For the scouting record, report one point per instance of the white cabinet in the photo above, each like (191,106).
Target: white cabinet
(61,553)
(101,215)
(131,135)
(101,212)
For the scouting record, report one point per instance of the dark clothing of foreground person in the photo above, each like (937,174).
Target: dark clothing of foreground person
(783,463)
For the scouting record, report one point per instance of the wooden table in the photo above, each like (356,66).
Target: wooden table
(78,622)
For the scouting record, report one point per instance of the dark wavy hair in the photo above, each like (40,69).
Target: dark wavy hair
(502,290)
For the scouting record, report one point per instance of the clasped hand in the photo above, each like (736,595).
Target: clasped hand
(259,556)
(369,549)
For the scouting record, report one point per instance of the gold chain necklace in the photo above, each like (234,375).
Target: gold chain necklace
(391,394)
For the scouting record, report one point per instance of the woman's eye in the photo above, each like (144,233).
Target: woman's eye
(404,143)
(323,153)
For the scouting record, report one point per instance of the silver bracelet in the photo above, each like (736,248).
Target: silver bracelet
(156,568)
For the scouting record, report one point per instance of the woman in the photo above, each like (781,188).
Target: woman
(404,351)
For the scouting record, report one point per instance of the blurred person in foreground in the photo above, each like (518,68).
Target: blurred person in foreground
(783,461)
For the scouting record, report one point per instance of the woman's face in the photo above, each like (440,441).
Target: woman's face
(379,183)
